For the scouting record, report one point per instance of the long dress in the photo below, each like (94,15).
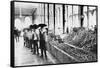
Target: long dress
(42,41)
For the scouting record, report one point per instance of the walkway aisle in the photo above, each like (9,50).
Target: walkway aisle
(23,56)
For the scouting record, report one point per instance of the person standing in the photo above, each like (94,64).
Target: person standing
(43,43)
(35,42)
(30,39)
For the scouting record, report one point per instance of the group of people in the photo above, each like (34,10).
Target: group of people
(35,38)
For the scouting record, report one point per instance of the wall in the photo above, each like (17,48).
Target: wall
(22,22)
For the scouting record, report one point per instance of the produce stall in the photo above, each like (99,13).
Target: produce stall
(66,52)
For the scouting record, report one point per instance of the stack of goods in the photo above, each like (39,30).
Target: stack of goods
(51,36)
(76,36)
(78,54)
(90,42)
(82,38)
(85,40)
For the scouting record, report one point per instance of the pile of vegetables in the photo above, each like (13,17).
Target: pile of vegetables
(82,38)
(85,40)
(79,54)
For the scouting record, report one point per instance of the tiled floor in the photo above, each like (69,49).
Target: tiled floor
(23,56)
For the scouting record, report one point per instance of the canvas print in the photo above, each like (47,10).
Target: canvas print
(53,33)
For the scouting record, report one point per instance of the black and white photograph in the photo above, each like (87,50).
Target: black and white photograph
(44,33)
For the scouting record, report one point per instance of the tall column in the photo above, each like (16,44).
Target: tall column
(81,15)
(72,17)
(96,15)
(54,16)
(63,9)
(48,14)
(41,12)
(44,12)
(67,16)
(67,29)
(97,20)
(88,17)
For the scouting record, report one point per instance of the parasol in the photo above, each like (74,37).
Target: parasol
(33,26)
(42,25)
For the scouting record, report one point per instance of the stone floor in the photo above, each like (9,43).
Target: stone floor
(23,56)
